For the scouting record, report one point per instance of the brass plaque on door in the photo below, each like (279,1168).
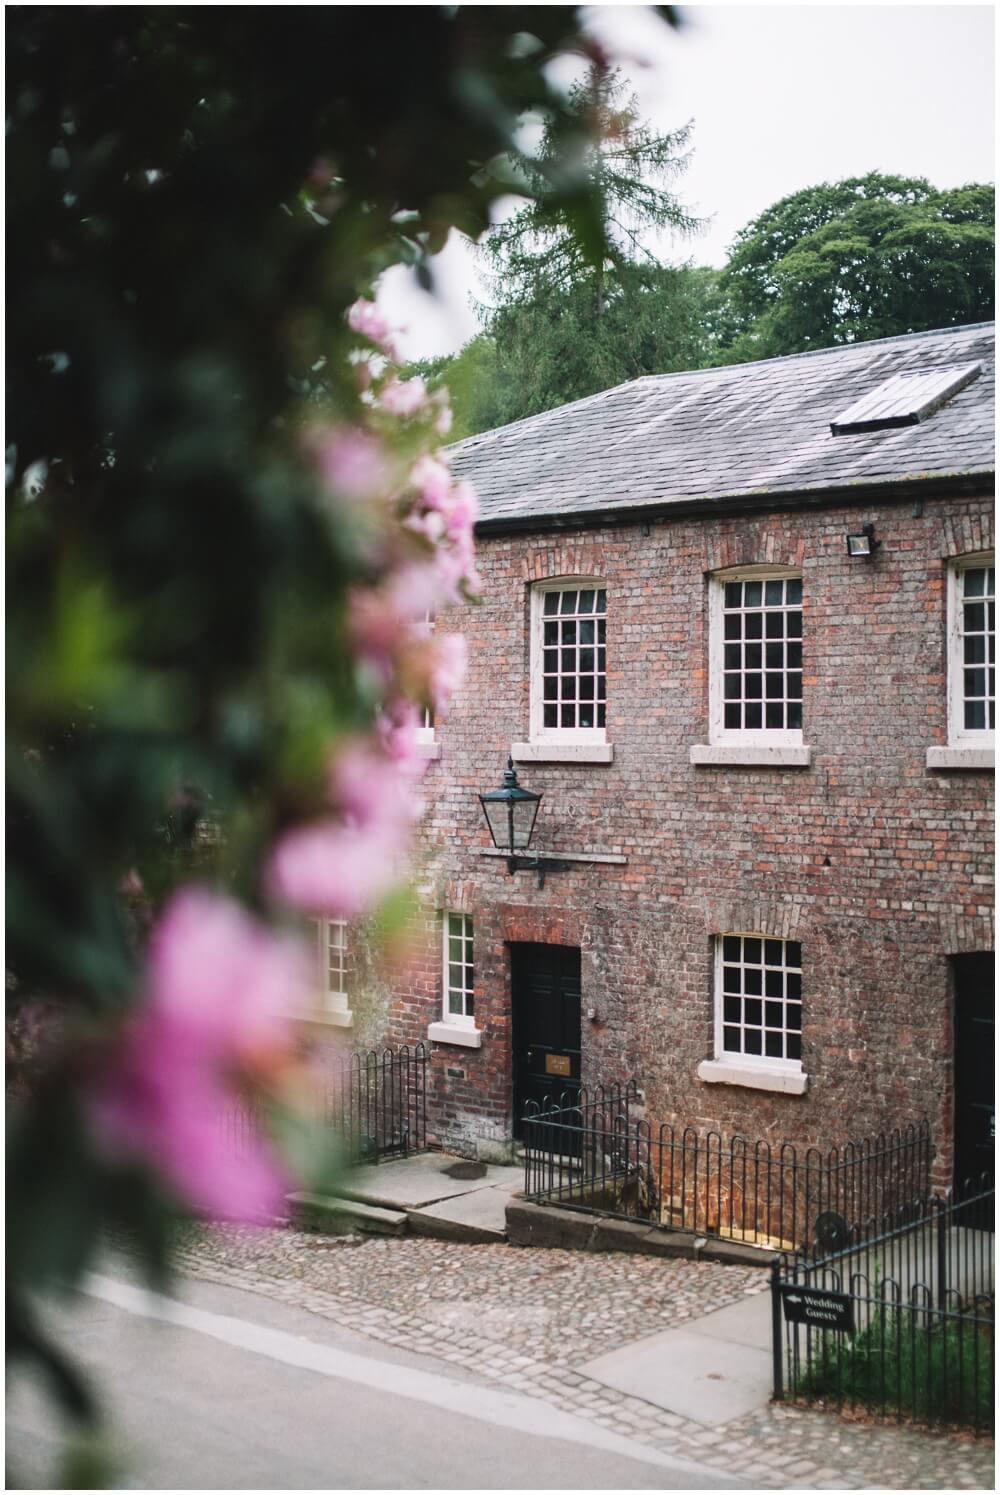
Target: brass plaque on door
(557,1064)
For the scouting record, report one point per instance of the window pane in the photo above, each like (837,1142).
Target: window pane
(774,593)
(568,633)
(775,656)
(774,625)
(733,627)
(753,717)
(793,591)
(733,716)
(774,714)
(568,603)
(752,952)
(586,604)
(774,1013)
(549,716)
(752,593)
(733,654)
(567,716)
(586,687)
(602,601)
(550,687)
(600,716)
(794,1046)
(731,1040)
(731,947)
(975,649)
(586,714)
(754,656)
(551,633)
(773,950)
(733,593)
(975,617)
(975,581)
(793,625)
(752,979)
(773,983)
(794,714)
(731,1009)
(753,1010)
(793,953)
(753,626)
(774,1045)
(586,631)
(751,1040)
(551,604)
(793,1016)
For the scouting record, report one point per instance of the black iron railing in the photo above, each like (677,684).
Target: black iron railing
(378,1103)
(918,1300)
(593,1153)
(375,1102)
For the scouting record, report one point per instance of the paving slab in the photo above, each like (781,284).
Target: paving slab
(745,1323)
(706,1380)
(478,1217)
(411,1183)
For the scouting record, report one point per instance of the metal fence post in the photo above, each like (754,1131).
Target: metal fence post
(942,1252)
(777,1348)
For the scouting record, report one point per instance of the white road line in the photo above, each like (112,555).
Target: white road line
(506,1409)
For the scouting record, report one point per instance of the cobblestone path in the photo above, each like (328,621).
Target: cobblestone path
(525,1318)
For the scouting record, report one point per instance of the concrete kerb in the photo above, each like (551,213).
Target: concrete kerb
(570,1230)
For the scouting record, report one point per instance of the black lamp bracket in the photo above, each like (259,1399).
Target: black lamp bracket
(541,865)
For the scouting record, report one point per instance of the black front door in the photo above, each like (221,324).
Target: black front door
(545,990)
(974,1072)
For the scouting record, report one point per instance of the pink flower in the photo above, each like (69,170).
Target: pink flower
(449,662)
(217,986)
(354,464)
(365,318)
(431,476)
(334,869)
(443,419)
(403,396)
(430,525)
(463,511)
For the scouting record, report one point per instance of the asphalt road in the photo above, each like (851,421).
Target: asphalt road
(227,1390)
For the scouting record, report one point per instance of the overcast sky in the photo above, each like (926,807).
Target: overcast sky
(782,97)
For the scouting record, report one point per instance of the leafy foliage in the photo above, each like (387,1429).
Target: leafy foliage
(199,194)
(867,257)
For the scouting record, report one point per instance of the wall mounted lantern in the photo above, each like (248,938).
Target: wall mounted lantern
(864,543)
(510,814)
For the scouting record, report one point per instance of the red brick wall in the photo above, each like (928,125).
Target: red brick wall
(877,865)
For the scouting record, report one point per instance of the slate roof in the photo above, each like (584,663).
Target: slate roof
(733,436)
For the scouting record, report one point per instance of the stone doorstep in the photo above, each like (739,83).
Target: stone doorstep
(329,1215)
(571,1230)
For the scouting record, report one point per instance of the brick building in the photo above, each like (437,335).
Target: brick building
(765,762)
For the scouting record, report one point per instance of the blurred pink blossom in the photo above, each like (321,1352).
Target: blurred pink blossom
(354,464)
(334,869)
(431,476)
(448,666)
(403,396)
(218,986)
(365,318)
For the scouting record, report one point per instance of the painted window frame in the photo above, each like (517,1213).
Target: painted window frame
(719,735)
(538,732)
(466,932)
(738,1057)
(335,1003)
(960,736)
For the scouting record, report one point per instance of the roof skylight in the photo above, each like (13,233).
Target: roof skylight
(905,399)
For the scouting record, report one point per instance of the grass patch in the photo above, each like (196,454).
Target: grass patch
(909,1361)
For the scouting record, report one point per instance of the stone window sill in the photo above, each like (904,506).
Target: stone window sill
(961,756)
(750,755)
(326,1018)
(466,1038)
(427,749)
(779,1078)
(562,752)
